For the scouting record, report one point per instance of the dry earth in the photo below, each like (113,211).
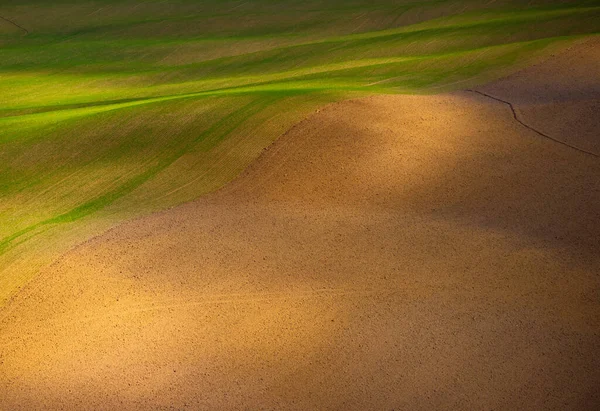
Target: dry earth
(395,252)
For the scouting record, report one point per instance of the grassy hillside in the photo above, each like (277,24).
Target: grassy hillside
(113,109)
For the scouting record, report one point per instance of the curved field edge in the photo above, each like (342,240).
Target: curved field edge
(99,193)
(86,148)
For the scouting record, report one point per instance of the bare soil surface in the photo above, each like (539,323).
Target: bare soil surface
(394,252)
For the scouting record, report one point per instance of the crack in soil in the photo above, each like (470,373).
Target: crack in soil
(15,24)
(516,117)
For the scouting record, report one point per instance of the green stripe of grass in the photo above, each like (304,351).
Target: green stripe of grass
(260,84)
(215,133)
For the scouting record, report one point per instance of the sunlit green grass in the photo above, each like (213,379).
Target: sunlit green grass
(113,109)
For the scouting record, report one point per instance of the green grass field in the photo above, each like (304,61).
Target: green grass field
(114,109)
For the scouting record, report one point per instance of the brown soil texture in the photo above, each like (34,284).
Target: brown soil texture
(393,252)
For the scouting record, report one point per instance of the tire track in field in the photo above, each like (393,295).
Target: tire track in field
(516,117)
(207,299)
(15,24)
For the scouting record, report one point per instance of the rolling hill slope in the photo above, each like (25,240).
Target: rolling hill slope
(389,252)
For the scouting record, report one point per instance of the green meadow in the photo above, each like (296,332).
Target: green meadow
(111,110)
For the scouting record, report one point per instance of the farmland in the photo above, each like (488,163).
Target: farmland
(299,205)
(110,110)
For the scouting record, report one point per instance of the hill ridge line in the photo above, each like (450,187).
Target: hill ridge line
(516,117)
